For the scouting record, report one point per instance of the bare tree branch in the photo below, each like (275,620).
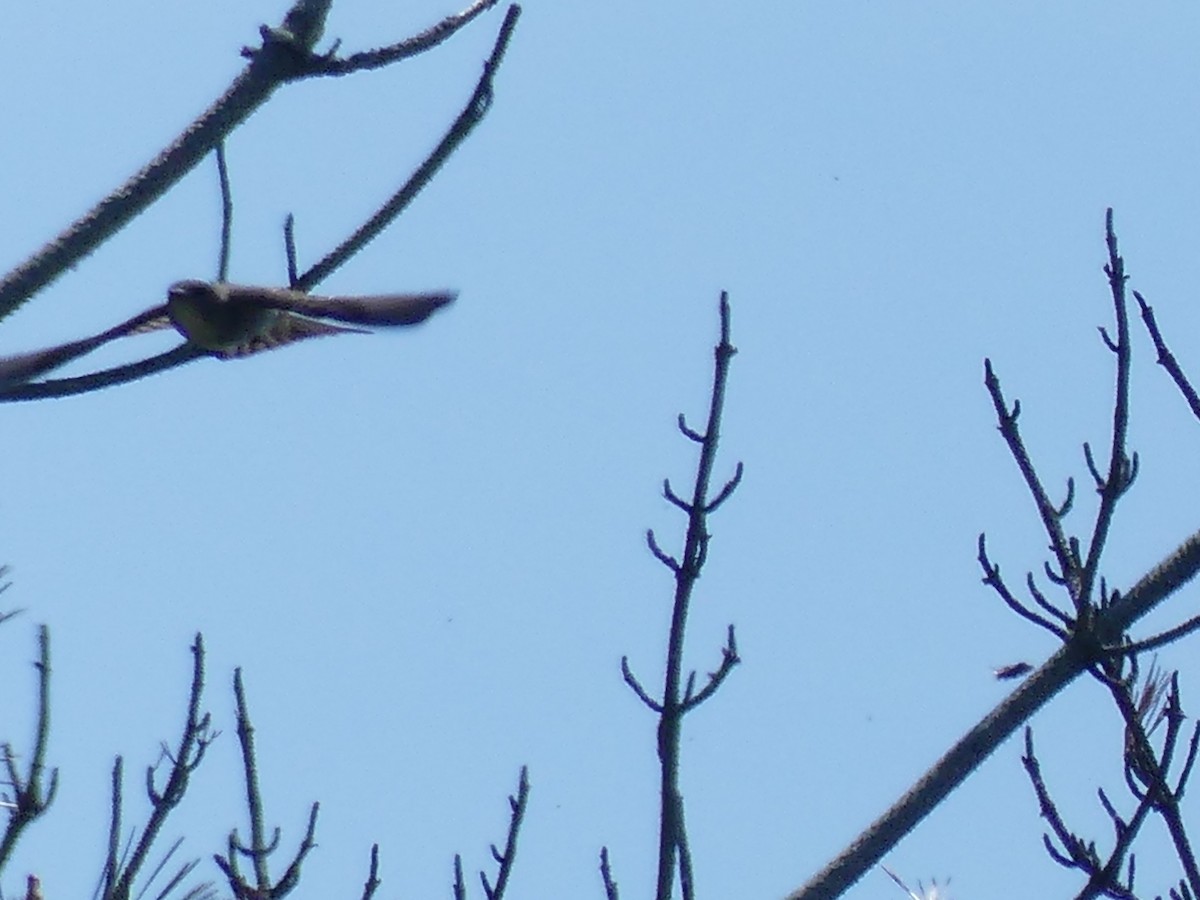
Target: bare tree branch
(30,797)
(677,699)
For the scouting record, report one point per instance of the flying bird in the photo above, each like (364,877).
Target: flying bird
(232,320)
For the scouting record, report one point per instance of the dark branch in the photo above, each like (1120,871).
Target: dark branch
(727,490)
(610,884)
(1166,359)
(661,555)
(506,859)
(226,213)
(476,108)
(1046,510)
(991,577)
(636,686)
(374,59)
(729,659)
(688,432)
(30,797)
(193,742)
(373,882)
(66,387)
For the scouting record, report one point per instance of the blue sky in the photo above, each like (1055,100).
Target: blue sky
(426,548)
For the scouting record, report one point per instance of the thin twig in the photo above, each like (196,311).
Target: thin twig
(472,115)
(193,742)
(1059,544)
(328,64)
(517,806)
(373,882)
(610,884)
(30,797)
(672,850)
(226,213)
(1121,469)
(991,577)
(1166,358)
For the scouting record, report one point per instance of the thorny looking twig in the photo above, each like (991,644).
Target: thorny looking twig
(29,797)
(1156,701)
(258,849)
(372,883)
(610,884)
(118,875)
(677,698)
(505,859)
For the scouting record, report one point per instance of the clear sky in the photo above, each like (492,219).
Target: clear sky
(426,548)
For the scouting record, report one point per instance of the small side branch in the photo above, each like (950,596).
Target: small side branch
(373,882)
(1122,469)
(476,108)
(189,753)
(636,687)
(610,884)
(1159,640)
(366,60)
(259,849)
(226,213)
(729,659)
(1072,851)
(991,577)
(29,797)
(1068,561)
(1166,358)
(1145,768)
(508,856)
(661,555)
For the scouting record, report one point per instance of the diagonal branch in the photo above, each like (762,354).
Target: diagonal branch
(30,796)
(472,115)
(1068,562)
(1071,660)
(1166,358)
(374,59)
(94,381)
(1121,469)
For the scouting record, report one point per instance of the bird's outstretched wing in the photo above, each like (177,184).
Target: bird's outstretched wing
(380,310)
(22,367)
(233,320)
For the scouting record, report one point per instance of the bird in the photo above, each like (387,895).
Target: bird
(232,320)
(229,321)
